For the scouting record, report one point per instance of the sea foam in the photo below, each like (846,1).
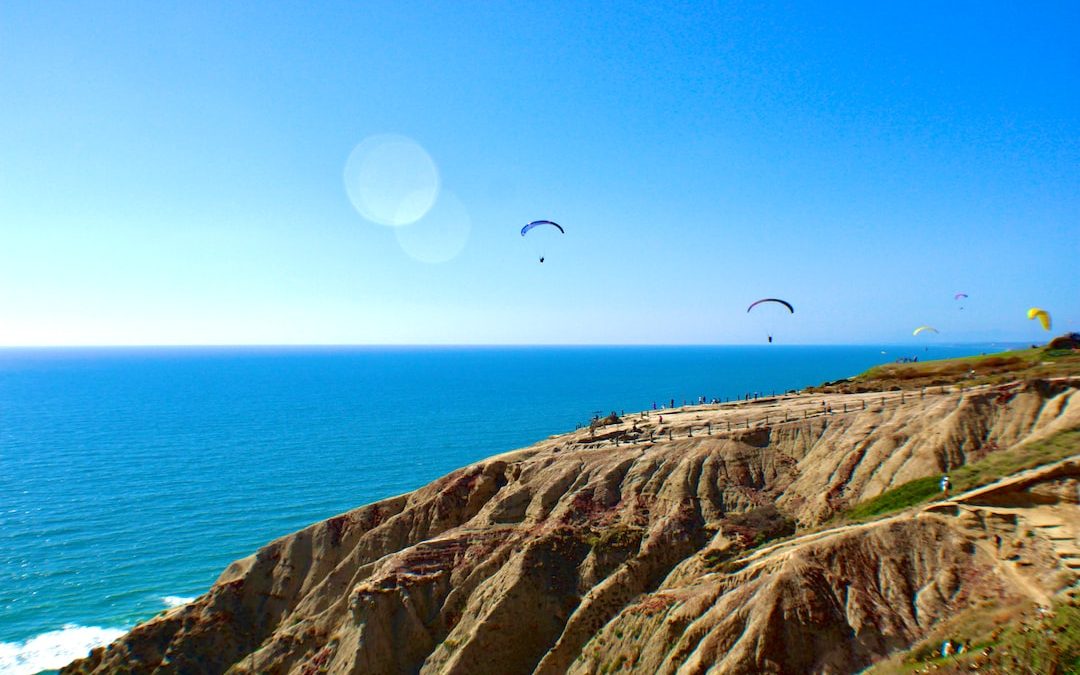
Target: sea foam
(53,649)
(176,600)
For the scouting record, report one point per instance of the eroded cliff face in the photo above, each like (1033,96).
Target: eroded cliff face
(633,548)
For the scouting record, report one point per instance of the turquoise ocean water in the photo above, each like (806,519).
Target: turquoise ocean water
(129,478)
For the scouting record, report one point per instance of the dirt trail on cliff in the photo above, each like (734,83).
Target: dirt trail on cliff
(828,600)
(636,545)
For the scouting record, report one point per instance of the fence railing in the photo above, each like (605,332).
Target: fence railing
(799,413)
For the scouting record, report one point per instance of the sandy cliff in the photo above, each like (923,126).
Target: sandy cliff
(637,546)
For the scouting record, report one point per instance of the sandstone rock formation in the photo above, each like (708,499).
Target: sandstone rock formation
(636,547)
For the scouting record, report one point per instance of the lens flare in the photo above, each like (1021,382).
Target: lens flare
(391,180)
(440,235)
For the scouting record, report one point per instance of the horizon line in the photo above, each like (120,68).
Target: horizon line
(485,345)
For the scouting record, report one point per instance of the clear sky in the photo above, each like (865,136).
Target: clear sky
(176,172)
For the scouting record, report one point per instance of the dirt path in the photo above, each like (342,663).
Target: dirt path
(1058,524)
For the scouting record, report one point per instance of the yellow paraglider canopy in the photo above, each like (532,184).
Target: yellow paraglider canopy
(1042,315)
(924,328)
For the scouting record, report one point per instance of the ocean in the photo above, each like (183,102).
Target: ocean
(130,477)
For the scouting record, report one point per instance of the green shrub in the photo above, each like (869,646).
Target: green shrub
(909,494)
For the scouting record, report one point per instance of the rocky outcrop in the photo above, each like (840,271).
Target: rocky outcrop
(636,545)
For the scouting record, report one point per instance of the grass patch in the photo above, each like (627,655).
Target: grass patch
(1050,644)
(998,639)
(993,467)
(997,368)
(1018,458)
(907,495)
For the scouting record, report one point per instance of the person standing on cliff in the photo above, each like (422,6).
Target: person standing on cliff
(945,485)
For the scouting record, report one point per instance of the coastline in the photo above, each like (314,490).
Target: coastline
(793,452)
(286,528)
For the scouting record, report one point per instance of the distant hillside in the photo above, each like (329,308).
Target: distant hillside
(801,533)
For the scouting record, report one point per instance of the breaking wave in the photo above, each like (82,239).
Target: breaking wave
(53,649)
(175,600)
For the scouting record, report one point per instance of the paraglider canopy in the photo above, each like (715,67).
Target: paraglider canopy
(922,329)
(537,223)
(1042,315)
(960,295)
(767,318)
(540,241)
(785,303)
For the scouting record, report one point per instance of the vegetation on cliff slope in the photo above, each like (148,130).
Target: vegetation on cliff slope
(1034,362)
(994,466)
(1021,638)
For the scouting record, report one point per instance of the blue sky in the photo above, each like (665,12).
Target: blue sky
(174,173)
